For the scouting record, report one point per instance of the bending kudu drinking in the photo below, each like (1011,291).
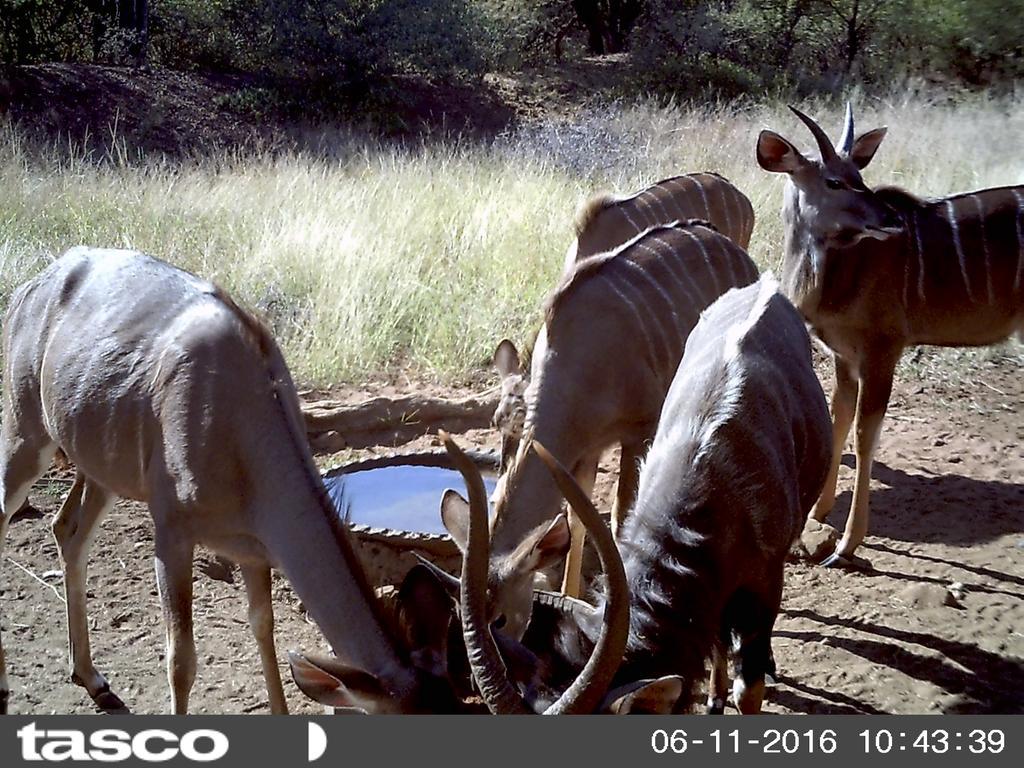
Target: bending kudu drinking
(876,271)
(613,334)
(739,457)
(161,389)
(604,222)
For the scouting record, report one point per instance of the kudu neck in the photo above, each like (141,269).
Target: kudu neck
(803,262)
(317,555)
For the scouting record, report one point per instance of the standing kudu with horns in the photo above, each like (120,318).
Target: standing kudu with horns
(740,455)
(875,271)
(614,331)
(161,389)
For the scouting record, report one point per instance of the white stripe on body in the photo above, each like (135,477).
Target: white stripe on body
(707,259)
(680,277)
(920,257)
(623,208)
(725,207)
(661,204)
(984,248)
(955,229)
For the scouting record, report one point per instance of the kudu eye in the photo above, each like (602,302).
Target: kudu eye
(500,622)
(834,184)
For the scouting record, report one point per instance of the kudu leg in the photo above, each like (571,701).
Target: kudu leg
(718,685)
(586,475)
(261,621)
(752,616)
(73,529)
(22,462)
(174,582)
(629,476)
(844,404)
(875,388)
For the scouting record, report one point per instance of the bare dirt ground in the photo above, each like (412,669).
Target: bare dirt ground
(947,504)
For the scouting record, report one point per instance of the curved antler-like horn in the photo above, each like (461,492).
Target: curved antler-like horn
(589,688)
(587,692)
(828,152)
(846,141)
(484,659)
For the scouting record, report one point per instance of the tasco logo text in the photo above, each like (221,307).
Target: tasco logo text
(110,745)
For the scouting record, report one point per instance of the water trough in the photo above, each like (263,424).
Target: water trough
(392,506)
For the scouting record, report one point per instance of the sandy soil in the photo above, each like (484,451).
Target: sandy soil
(948,508)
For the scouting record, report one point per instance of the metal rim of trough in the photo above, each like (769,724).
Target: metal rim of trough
(439,544)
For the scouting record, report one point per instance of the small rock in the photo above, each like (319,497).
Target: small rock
(955,459)
(938,442)
(957,589)
(817,541)
(55,575)
(924,596)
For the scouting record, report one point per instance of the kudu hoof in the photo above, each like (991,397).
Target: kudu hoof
(846,562)
(4,696)
(716,707)
(110,703)
(104,698)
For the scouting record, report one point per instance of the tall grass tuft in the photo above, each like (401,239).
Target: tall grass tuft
(369,257)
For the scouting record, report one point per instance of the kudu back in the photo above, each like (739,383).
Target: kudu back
(614,332)
(877,270)
(161,389)
(738,459)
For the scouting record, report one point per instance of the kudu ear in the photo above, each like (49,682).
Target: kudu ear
(650,697)
(506,359)
(328,681)
(865,146)
(425,612)
(543,547)
(455,516)
(450,584)
(776,154)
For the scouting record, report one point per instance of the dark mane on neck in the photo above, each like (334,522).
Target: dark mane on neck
(900,199)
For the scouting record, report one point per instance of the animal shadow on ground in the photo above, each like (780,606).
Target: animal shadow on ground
(946,508)
(826,703)
(981,682)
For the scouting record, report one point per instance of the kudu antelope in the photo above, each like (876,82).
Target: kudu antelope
(876,271)
(613,334)
(739,457)
(161,389)
(606,221)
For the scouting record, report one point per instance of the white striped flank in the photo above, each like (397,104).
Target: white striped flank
(707,259)
(641,199)
(681,278)
(733,280)
(955,230)
(704,197)
(681,212)
(623,208)
(1020,240)
(666,214)
(649,279)
(920,257)
(725,207)
(612,283)
(984,248)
